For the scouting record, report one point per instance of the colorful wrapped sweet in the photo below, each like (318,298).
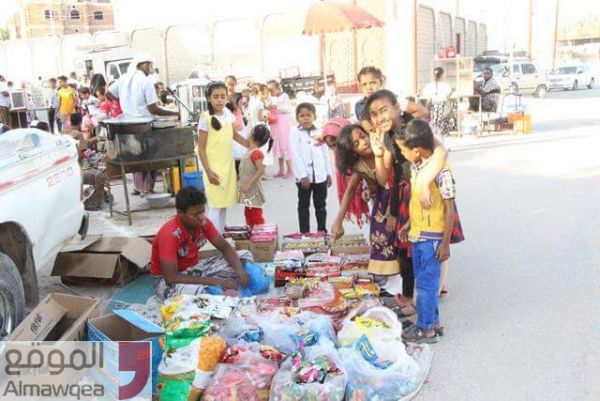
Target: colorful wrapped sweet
(315,373)
(396,376)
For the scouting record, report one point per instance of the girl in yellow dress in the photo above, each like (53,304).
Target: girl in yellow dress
(216,134)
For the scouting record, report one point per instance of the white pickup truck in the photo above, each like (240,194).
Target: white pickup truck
(40,208)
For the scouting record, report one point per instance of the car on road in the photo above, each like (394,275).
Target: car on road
(528,77)
(571,76)
(41,198)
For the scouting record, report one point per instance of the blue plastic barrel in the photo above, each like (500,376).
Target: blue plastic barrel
(193,179)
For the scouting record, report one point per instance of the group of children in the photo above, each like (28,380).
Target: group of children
(390,156)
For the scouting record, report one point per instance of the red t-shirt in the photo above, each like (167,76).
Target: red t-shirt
(255,155)
(173,242)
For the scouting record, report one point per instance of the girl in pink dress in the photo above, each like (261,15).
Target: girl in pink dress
(279,123)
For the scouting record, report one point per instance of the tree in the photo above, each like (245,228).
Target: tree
(4,35)
(586,28)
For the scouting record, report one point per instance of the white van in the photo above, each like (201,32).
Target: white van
(571,76)
(110,61)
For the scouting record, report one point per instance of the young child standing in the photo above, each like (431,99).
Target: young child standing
(251,170)
(312,168)
(280,129)
(429,230)
(216,134)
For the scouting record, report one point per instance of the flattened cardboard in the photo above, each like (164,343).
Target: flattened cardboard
(102,260)
(38,324)
(71,326)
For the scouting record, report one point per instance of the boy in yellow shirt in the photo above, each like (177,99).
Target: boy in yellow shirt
(67,101)
(429,230)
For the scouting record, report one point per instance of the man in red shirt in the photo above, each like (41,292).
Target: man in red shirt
(176,263)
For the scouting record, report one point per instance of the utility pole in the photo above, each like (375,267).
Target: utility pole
(530,31)
(415,49)
(555,34)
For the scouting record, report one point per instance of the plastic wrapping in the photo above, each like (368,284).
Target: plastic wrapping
(376,323)
(280,330)
(258,284)
(288,386)
(395,376)
(237,328)
(248,378)
(321,294)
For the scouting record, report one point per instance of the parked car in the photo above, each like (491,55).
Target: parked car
(527,77)
(571,76)
(41,198)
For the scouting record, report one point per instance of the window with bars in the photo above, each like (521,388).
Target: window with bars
(75,14)
(98,15)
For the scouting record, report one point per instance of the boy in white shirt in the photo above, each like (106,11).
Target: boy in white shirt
(312,168)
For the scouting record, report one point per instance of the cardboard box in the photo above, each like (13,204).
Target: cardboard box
(242,244)
(102,260)
(123,325)
(263,251)
(58,317)
(350,250)
(209,250)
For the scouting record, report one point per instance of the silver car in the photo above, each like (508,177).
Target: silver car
(572,76)
(527,77)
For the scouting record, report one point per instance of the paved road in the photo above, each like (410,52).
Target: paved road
(522,315)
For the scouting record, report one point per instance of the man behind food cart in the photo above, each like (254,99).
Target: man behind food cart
(137,96)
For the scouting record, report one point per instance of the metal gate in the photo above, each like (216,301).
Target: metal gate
(425,45)
(444,31)
(471,39)
(460,29)
(481,38)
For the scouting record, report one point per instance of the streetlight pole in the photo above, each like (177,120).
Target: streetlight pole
(555,34)
(530,31)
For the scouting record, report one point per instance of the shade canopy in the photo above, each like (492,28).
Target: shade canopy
(324,17)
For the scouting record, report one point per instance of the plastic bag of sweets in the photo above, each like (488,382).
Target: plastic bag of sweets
(375,323)
(380,371)
(314,373)
(212,350)
(282,331)
(176,372)
(247,377)
(180,333)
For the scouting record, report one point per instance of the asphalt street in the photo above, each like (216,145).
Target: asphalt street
(521,317)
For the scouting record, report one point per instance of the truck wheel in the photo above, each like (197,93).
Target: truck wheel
(541,91)
(591,84)
(12,296)
(575,85)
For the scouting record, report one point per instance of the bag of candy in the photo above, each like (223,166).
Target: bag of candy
(376,323)
(312,373)
(246,376)
(384,371)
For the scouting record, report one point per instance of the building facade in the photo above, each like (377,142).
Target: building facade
(37,18)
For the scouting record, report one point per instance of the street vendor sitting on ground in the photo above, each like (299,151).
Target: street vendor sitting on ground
(176,264)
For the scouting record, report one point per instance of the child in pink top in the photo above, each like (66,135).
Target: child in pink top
(280,129)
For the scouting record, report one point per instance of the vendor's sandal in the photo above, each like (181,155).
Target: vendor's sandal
(402,300)
(439,330)
(385,294)
(399,311)
(415,335)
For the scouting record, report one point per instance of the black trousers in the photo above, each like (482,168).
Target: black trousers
(51,118)
(319,195)
(407,274)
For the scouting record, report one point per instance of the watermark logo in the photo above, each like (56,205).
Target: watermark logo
(75,370)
